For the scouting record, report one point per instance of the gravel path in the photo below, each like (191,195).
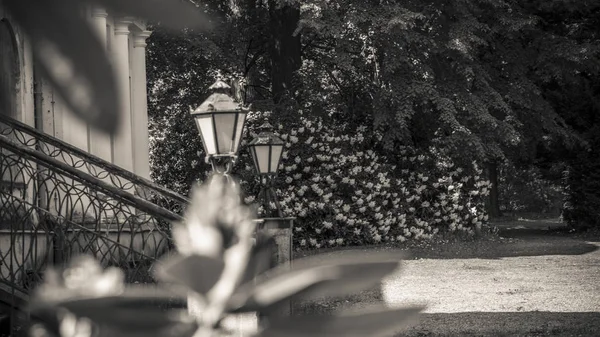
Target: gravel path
(533,282)
(556,283)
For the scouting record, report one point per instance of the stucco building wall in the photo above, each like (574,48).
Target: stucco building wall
(124,39)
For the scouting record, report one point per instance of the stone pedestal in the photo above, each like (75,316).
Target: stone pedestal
(281,230)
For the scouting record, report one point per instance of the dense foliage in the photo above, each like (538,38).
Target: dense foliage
(529,190)
(485,80)
(583,188)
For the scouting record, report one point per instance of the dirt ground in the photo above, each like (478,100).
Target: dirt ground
(535,279)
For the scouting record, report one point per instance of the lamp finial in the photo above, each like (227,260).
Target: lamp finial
(220,86)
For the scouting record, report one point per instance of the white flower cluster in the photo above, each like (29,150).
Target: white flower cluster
(343,193)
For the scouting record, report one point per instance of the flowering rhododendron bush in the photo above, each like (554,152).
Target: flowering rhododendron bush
(343,192)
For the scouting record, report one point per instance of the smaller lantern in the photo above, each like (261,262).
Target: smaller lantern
(266,150)
(220,121)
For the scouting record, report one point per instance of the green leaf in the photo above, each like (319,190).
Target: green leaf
(71,57)
(380,322)
(198,273)
(175,14)
(312,277)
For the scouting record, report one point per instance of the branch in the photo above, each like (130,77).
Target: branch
(246,56)
(253,61)
(336,82)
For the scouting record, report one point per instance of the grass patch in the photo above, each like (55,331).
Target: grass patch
(450,242)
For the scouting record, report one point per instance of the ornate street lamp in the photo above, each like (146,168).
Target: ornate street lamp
(266,150)
(220,121)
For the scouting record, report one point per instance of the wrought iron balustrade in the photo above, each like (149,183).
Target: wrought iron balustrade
(57,201)
(92,165)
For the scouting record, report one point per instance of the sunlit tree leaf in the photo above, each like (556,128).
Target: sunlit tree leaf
(313,277)
(71,57)
(381,322)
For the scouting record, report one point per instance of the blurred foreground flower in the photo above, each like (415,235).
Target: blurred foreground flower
(220,269)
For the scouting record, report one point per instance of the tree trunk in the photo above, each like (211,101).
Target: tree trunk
(493,204)
(285,49)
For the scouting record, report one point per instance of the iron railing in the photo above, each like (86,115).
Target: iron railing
(57,201)
(92,165)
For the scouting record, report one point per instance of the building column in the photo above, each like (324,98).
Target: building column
(139,118)
(99,16)
(122,145)
(100,143)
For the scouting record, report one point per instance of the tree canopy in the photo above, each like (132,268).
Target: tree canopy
(476,79)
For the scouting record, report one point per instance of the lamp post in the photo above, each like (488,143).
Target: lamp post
(266,150)
(220,121)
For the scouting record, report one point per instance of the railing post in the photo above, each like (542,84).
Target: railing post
(58,241)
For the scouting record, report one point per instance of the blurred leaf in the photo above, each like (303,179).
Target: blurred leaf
(140,309)
(312,277)
(173,330)
(132,297)
(83,277)
(71,57)
(130,319)
(175,14)
(381,322)
(109,311)
(199,273)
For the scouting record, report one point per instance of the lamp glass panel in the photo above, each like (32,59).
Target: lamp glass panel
(239,130)
(254,158)
(276,151)
(224,125)
(205,127)
(262,158)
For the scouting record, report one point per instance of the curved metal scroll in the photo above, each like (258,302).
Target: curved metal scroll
(57,201)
